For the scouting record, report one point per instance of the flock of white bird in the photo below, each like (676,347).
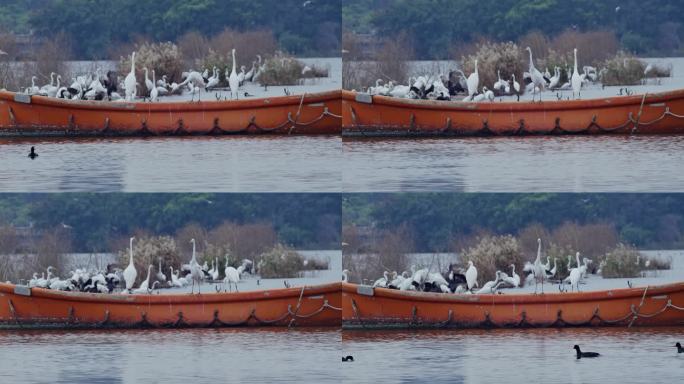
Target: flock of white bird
(115,279)
(109,87)
(442,87)
(460,281)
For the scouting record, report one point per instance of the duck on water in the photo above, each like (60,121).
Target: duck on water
(581,354)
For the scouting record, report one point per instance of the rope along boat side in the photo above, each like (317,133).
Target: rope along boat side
(367,307)
(23,307)
(24,115)
(654,113)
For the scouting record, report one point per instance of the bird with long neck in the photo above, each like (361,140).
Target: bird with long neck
(473,82)
(233,80)
(130,273)
(537,77)
(130,81)
(576,79)
(538,268)
(195,269)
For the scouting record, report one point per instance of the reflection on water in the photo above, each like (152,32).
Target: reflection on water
(188,164)
(254,355)
(635,355)
(515,164)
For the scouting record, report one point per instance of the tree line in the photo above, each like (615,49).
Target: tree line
(305,221)
(435,220)
(94,26)
(437,26)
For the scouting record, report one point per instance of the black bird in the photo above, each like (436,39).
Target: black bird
(348,358)
(581,354)
(679,348)
(33,153)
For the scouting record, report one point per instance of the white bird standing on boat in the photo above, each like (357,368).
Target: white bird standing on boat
(537,78)
(514,279)
(51,90)
(175,282)
(195,270)
(539,270)
(471,276)
(130,273)
(215,272)
(232,276)
(145,284)
(149,84)
(500,85)
(473,82)
(555,79)
(516,86)
(213,80)
(345,275)
(34,88)
(130,82)
(160,274)
(154,93)
(383,281)
(233,80)
(490,286)
(576,80)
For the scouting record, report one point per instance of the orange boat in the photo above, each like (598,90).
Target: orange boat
(657,113)
(24,115)
(24,307)
(367,307)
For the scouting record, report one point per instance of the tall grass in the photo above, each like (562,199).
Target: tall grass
(507,58)
(622,69)
(163,58)
(493,253)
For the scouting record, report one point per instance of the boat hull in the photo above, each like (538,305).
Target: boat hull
(365,307)
(23,115)
(365,115)
(21,307)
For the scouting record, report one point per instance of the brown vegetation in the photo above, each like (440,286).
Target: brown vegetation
(148,251)
(622,69)
(621,262)
(163,58)
(389,63)
(280,262)
(492,57)
(493,253)
(281,70)
(388,252)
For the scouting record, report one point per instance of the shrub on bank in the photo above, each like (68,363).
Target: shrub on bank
(281,69)
(623,69)
(148,251)
(163,58)
(507,58)
(280,262)
(494,253)
(623,261)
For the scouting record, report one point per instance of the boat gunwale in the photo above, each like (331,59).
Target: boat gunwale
(176,299)
(515,106)
(518,298)
(177,106)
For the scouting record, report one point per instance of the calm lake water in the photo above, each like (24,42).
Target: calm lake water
(191,164)
(527,164)
(514,356)
(260,355)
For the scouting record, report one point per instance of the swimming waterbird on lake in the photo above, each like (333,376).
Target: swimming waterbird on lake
(33,153)
(581,354)
(679,348)
(348,358)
